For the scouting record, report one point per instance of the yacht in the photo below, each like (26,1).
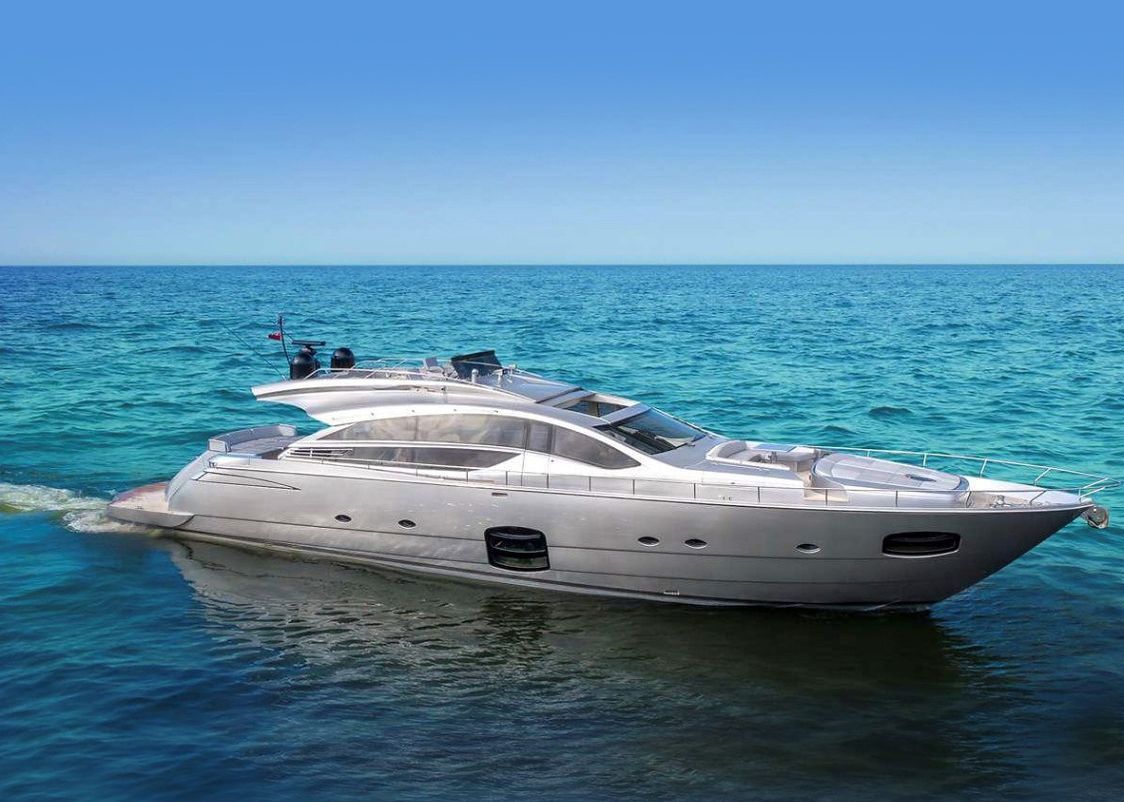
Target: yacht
(478,470)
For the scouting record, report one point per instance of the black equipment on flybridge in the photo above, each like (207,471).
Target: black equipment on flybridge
(304,363)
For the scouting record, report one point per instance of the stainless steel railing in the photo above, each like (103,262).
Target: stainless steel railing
(743,493)
(413,369)
(926,459)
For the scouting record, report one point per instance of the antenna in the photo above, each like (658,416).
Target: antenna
(280,335)
(249,348)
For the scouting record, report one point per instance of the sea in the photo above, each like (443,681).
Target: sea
(135,667)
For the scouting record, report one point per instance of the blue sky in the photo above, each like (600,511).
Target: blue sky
(529,132)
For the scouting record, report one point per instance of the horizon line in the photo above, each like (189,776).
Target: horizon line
(559,264)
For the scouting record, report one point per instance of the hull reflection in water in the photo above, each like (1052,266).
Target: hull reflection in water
(651,688)
(281,601)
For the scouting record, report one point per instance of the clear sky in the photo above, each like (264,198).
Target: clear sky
(528,132)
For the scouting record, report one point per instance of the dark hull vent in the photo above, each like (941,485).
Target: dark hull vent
(517,548)
(920,544)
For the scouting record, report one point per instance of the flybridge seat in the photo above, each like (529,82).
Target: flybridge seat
(258,441)
(842,470)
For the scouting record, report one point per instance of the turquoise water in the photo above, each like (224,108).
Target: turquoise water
(132,667)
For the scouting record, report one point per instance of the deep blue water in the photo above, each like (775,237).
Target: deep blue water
(133,667)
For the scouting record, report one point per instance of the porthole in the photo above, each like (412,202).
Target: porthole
(648,541)
(808,548)
(406,523)
(343,519)
(695,543)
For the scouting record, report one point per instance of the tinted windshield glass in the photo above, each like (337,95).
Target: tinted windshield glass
(580,448)
(653,432)
(589,406)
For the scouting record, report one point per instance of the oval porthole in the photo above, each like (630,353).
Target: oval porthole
(648,541)
(695,543)
(406,523)
(808,548)
(343,519)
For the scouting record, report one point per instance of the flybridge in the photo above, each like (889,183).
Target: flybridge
(459,374)
(329,394)
(480,371)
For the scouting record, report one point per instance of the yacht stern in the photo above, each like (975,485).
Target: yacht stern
(146,505)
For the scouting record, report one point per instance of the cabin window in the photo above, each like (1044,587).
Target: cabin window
(576,446)
(653,432)
(539,436)
(486,430)
(421,457)
(483,430)
(491,430)
(378,454)
(383,429)
(460,457)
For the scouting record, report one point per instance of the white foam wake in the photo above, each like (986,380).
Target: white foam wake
(38,498)
(77,512)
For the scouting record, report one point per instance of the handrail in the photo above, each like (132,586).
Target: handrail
(739,493)
(985,462)
(409,363)
(414,368)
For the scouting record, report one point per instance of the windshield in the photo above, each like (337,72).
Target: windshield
(653,432)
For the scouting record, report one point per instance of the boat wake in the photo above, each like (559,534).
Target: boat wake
(77,512)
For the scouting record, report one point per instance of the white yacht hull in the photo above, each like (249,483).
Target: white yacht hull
(751,554)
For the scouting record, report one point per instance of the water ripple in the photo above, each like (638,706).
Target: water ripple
(137,667)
